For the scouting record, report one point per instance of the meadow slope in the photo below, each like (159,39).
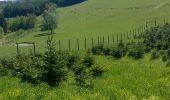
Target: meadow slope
(125,79)
(94,18)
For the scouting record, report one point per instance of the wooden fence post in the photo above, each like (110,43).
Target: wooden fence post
(155,22)
(164,21)
(113,38)
(85,44)
(98,41)
(117,38)
(59,45)
(69,45)
(92,42)
(34,47)
(130,34)
(121,36)
(108,40)
(78,47)
(17,50)
(125,34)
(103,40)
(133,33)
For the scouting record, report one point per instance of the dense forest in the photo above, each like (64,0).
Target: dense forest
(24,7)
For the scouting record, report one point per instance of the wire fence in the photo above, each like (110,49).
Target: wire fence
(109,40)
(85,43)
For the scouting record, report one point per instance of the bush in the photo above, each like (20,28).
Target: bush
(97,71)
(54,69)
(168,64)
(98,49)
(164,58)
(155,54)
(119,51)
(72,59)
(107,51)
(29,68)
(3,71)
(1,31)
(88,61)
(137,50)
(1,36)
(82,76)
(22,22)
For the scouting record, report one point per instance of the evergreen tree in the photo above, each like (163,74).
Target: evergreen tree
(3,23)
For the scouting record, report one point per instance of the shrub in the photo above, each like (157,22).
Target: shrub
(1,31)
(155,54)
(82,76)
(88,61)
(71,59)
(164,58)
(107,51)
(22,22)
(168,63)
(54,70)
(136,50)
(98,49)
(97,71)
(3,71)
(29,68)
(7,63)
(119,51)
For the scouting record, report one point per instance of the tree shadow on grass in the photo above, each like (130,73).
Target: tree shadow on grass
(66,3)
(41,34)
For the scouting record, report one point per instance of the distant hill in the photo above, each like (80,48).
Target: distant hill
(24,7)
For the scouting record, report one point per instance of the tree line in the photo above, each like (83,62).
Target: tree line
(21,8)
(49,21)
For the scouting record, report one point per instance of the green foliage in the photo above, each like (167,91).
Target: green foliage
(22,22)
(119,51)
(72,59)
(88,61)
(3,71)
(54,70)
(3,23)
(97,71)
(159,38)
(155,54)
(29,68)
(82,76)
(107,51)
(1,32)
(98,49)
(137,50)
(23,8)
(49,18)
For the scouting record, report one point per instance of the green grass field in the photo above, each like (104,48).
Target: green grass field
(125,79)
(99,18)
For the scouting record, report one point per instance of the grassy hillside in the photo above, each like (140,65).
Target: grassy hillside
(125,79)
(100,18)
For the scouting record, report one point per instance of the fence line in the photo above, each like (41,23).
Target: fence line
(113,39)
(109,40)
